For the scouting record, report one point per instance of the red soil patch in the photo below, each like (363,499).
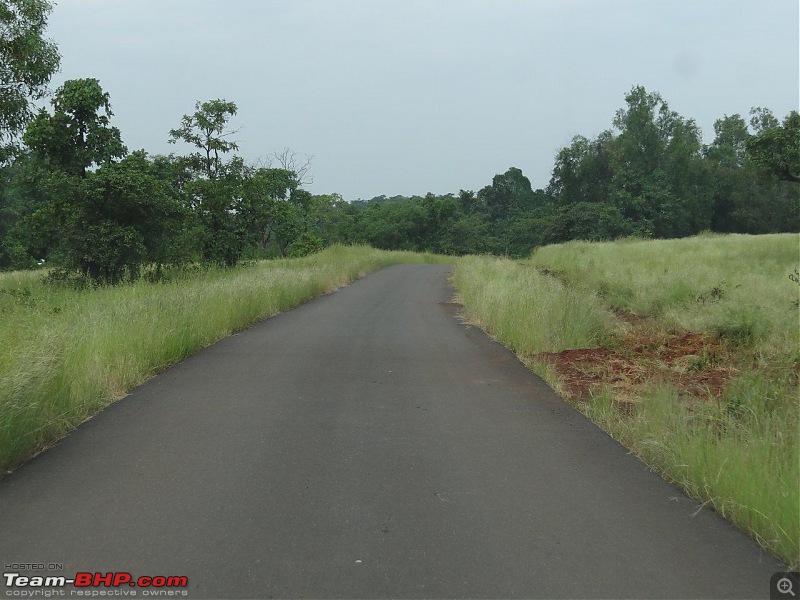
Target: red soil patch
(690,361)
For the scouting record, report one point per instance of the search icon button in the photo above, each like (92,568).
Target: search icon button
(784,585)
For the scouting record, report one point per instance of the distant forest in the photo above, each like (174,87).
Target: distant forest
(649,176)
(73,197)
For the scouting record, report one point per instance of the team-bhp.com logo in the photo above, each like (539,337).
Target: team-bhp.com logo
(158,585)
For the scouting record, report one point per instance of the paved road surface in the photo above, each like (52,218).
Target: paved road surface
(366,445)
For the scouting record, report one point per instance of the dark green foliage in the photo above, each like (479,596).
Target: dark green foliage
(306,243)
(72,201)
(27,61)
(650,176)
(214,187)
(509,193)
(206,129)
(110,223)
(265,194)
(104,223)
(777,148)
(78,135)
(593,221)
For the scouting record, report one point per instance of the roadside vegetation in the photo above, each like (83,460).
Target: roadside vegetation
(67,353)
(74,196)
(686,351)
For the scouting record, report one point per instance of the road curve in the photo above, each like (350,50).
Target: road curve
(366,445)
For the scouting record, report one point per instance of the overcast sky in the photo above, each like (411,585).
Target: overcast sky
(415,96)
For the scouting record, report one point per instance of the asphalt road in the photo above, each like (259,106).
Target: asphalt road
(366,445)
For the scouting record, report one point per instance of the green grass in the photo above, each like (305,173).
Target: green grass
(68,353)
(739,454)
(736,286)
(528,311)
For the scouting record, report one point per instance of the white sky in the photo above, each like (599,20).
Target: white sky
(415,96)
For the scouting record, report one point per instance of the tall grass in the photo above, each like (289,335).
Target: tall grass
(67,353)
(743,466)
(739,454)
(528,311)
(736,286)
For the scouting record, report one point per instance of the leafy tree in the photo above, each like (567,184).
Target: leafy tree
(63,146)
(100,216)
(777,147)
(643,125)
(216,186)
(468,234)
(394,225)
(111,223)
(687,179)
(27,61)
(78,135)
(122,222)
(593,221)
(583,171)
(280,217)
(264,209)
(508,192)
(206,129)
(21,194)
(658,174)
(729,148)
(638,180)
(762,119)
(731,175)
(333,218)
(298,232)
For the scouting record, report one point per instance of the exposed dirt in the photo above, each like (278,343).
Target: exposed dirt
(696,363)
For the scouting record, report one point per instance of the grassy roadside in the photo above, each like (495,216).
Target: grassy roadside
(732,446)
(66,353)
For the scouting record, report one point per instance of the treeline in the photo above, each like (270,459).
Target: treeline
(73,196)
(648,176)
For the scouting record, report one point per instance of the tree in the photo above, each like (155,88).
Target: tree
(508,192)
(206,130)
(776,148)
(762,119)
(21,194)
(729,148)
(102,216)
(731,172)
(122,220)
(27,61)
(264,193)
(78,135)
(583,170)
(301,168)
(658,173)
(643,125)
(107,225)
(216,188)
(332,217)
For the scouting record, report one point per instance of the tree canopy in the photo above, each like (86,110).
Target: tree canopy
(777,148)
(27,61)
(207,129)
(78,135)
(77,198)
